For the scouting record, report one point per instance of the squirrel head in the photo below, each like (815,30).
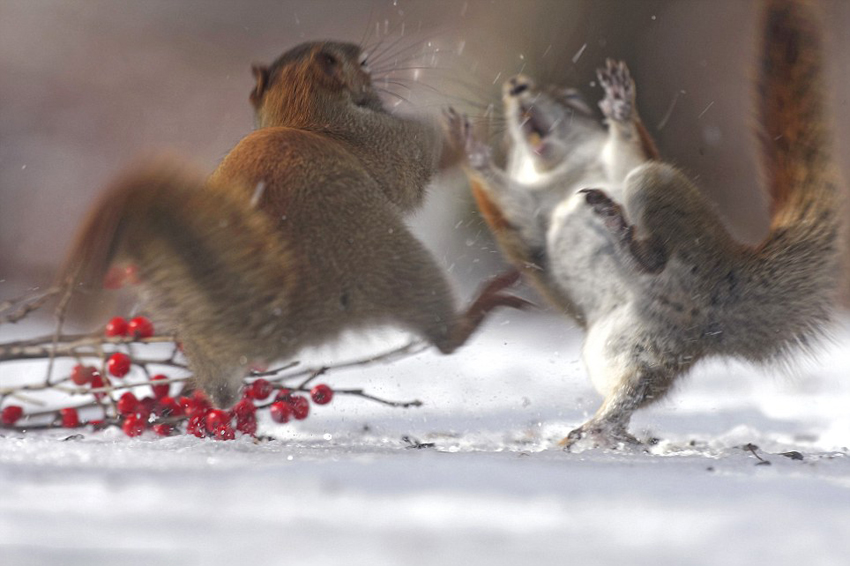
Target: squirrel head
(313,83)
(546,123)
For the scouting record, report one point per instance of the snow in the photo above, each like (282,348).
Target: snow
(343,487)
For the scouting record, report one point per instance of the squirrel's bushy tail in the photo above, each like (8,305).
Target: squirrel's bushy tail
(204,254)
(797,266)
(795,136)
(161,213)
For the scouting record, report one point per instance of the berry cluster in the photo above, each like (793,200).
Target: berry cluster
(163,413)
(206,421)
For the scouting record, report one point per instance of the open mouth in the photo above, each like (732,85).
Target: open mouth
(535,128)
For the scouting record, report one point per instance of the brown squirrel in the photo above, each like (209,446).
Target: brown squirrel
(297,236)
(632,250)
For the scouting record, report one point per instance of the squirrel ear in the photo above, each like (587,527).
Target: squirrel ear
(261,75)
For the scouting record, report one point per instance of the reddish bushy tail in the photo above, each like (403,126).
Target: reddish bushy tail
(797,266)
(795,137)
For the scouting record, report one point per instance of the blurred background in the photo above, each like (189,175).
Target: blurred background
(86,87)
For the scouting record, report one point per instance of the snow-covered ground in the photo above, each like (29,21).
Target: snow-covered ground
(343,487)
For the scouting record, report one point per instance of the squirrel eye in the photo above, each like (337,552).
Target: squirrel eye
(329,59)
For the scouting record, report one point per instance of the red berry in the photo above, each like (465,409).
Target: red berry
(81,374)
(322,394)
(162,429)
(189,404)
(127,403)
(280,412)
(215,418)
(133,425)
(247,425)
(70,418)
(196,425)
(145,407)
(243,409)
(284,395)
(168,407)
(259,390)
(162,390)
(224,432)
(11,414)
(97,383)
(139,327)
(118,364)
(201,399)
(300,407)
(116,327)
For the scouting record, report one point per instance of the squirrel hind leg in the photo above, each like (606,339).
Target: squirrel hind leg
(630,371)
(608,428)
(490,297)
(220,379)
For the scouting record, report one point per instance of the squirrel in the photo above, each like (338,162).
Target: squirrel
(298,234)
(557,145)
(638,256)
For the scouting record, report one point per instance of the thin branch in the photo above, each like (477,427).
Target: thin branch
(67,346)
(364,395)
(26,304)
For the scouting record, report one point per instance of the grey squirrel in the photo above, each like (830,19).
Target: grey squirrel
(297,236)
(633,251)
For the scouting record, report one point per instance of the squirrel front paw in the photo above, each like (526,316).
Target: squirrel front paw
(459,132)
(615,79)
(610,212)
(648,254)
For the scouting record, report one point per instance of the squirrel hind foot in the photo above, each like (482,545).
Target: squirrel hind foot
(489,298)
(599,434)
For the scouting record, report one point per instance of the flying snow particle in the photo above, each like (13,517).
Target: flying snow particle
(579,53)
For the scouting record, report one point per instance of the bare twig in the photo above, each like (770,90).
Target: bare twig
(26,304)
(275,371)
(59,313)
(364,395)
(68,346)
